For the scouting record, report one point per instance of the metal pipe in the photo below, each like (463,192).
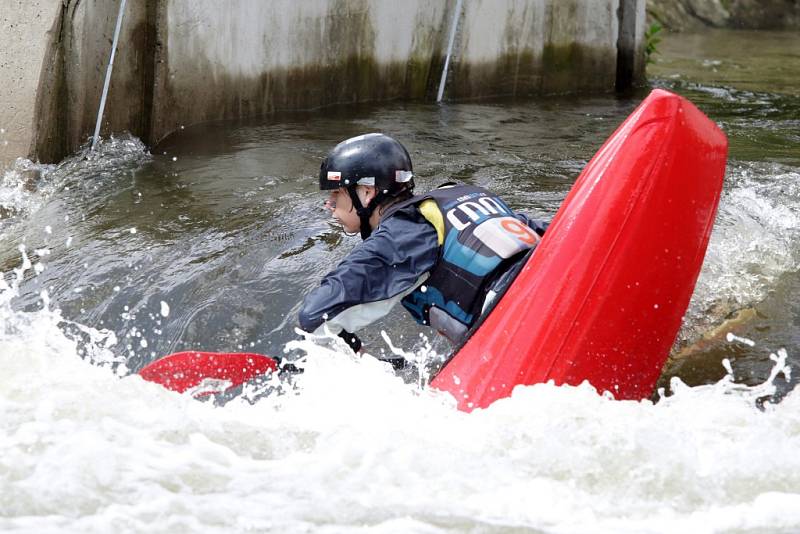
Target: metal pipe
(449,50)
(108,75)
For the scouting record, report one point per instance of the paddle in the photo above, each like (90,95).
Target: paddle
(205,373)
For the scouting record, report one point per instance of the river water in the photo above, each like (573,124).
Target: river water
(209,241)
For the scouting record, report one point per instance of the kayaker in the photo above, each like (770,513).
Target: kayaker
(444,255)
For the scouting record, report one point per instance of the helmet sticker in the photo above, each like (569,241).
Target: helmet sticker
(334,176)
(403,176)
(367,180)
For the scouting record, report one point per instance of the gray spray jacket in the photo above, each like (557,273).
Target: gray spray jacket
(376,275)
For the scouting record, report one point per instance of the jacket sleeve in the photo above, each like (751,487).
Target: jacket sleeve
(379,272)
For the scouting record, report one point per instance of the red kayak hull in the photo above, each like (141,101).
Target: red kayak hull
(603,296)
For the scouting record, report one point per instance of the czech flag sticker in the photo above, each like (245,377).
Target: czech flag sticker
(334,176)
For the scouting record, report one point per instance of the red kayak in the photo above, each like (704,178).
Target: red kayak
(602,297)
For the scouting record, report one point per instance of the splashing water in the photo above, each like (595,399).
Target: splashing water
(351,446)
(26,186)
(18,186)
(756,239)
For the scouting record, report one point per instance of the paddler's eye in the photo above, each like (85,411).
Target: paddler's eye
(330,202)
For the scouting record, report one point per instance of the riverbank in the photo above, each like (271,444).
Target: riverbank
(693,15)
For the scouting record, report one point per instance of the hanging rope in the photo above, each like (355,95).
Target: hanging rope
(449,50)
(96,137)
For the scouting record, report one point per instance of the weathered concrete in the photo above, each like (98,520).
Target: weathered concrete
(217,63)
(533,47)
(181,62)
(72,79)
(24,27)
(88,32)
(631,63)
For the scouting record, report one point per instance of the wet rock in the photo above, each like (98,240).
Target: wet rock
(766,14)
(711,12)
(693,15)
(672,15)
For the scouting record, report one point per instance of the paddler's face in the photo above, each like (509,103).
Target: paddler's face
(341,207)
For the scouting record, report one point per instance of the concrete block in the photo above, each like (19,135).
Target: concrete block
(26,28)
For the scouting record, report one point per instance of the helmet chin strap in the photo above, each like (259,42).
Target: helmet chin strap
(364,213)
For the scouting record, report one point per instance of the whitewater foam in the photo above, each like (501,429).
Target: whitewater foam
(756,239)
(353,447)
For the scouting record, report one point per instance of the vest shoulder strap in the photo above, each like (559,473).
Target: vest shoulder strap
(430,210)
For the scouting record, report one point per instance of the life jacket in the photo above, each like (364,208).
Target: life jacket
(478,238)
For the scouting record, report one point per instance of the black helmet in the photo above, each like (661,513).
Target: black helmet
(372,159)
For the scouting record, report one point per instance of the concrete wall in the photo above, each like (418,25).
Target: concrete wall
(73,73)
(631,62)
(285,54)
(181,62)
(536,47)
(24,27)
(88,30)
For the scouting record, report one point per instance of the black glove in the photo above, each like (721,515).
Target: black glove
(351,339)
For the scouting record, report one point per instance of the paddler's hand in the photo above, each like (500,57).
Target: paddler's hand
(351,339)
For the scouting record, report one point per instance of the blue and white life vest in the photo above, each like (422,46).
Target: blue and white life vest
(478,237)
